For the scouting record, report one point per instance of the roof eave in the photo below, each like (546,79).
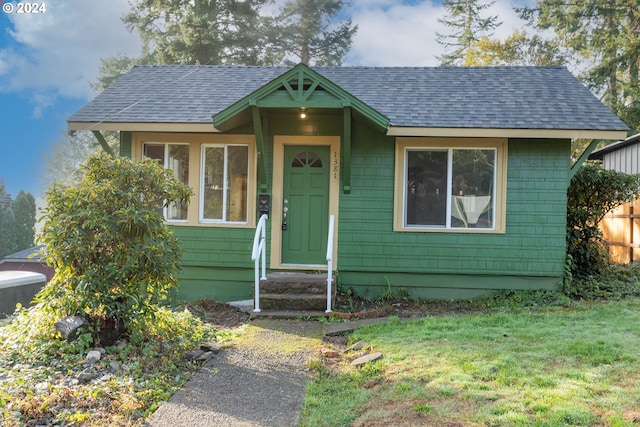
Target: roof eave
(507,133)
(142,127)
(623,143)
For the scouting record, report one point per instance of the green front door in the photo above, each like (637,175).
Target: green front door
(305,204)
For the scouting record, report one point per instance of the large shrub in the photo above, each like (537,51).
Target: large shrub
(115,260)
(594,191)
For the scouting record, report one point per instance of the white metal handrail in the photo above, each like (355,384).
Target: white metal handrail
(259,253)
(330,262)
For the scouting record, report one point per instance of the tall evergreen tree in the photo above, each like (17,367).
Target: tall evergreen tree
(8,232)
(605,36)
(231,32)
(25,217)
(467,27)
(197,31)
(303,33)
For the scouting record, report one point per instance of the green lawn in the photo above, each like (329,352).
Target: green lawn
(559,367)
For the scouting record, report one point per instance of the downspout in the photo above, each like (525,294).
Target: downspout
(583,158)
(103,142)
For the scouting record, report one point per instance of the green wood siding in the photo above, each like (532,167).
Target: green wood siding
(530,255)
(216,263)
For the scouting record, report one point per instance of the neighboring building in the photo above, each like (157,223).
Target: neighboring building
(621,227)
(27,260)
(448,182)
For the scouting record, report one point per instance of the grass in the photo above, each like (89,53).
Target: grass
(573,366)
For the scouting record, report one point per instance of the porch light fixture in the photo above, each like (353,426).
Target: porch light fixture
(303,113)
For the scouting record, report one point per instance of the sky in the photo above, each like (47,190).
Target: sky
(49,59)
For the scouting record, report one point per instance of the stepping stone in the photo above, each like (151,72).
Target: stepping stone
(366,359)
(357,346)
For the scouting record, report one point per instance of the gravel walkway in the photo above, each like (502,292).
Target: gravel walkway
(259,381)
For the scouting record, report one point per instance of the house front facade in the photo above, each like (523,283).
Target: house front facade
(445,182)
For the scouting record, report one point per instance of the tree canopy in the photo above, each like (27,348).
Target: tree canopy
(468,26)
(17,221)
(518,49)
(303,33)
(604,37)
(231,32)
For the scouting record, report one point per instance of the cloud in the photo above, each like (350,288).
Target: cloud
(57,53)
(395,33)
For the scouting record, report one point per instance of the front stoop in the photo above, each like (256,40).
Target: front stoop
(294,295)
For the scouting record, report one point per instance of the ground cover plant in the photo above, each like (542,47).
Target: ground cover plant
(563,366)
(45,380)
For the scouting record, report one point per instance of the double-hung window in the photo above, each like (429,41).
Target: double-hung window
(449,185)
(176,158)
(224,179)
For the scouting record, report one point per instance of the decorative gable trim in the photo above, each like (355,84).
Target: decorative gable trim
(300,87)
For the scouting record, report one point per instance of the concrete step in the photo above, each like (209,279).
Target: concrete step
(270,301)
(295,291)
(294,283)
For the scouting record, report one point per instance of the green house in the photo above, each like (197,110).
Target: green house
(447,182)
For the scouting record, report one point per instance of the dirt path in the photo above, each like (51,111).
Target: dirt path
(259,381)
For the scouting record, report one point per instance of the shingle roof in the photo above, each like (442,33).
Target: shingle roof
(442,97)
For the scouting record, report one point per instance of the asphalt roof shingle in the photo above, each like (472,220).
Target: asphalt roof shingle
(437,97)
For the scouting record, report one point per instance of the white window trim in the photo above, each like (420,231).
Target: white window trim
(166,166)
(201,217)
(404,145)
(195,141)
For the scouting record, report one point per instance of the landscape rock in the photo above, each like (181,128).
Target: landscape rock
(121,344)
(366,359)
(69,327)
(330,353)
(357,346)
(85,376)
(212,347)
(194,354)
(204,357)
(93,356)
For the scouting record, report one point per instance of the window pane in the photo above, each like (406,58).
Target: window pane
(178,162)
(176,158)
(472,188)
(426,188)
(238,167)
(213,182)
(154,151)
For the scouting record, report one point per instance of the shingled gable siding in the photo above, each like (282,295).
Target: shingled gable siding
(530,255)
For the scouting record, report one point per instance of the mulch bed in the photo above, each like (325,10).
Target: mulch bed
(225,316)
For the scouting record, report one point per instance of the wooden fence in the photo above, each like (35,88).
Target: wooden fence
(621,230)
